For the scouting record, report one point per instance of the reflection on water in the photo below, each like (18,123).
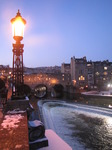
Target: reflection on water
(95,133)
(40,91)
(82,130)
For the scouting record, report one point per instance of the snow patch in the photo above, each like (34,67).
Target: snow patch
(16,111)
(18,146)
(11,121)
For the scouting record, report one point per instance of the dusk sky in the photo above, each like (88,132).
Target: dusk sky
(57,30)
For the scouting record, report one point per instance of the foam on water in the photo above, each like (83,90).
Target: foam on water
(78,124)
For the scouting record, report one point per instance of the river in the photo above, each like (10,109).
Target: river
(82,127)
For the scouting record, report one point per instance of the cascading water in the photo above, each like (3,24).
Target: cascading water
(82,127)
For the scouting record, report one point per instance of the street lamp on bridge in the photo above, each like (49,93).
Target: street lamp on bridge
(18,24)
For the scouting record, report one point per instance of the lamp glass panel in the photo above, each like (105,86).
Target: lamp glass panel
(18,27)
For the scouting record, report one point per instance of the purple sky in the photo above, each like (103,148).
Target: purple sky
(56,30)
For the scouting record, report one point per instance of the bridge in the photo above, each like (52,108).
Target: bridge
(42,83)
(32,80)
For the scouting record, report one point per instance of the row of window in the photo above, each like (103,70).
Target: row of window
(105,67)
(104,73)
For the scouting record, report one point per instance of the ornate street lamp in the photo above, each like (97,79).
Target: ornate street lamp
(18,24)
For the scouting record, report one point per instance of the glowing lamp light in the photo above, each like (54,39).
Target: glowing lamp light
(110,106)
(18,25)
(54,81)
(74,82)
(108,85)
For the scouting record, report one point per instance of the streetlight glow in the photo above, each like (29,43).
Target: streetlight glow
(18,25)
(108,85)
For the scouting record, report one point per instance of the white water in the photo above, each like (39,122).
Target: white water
(70,119)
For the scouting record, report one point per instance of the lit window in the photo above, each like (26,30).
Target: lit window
(97,73)
(108,85)
(54,81)
(105,73)
(105,68)
(81,78)
(74,82)
(88,65)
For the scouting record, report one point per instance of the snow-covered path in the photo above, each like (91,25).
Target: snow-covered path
(82,127)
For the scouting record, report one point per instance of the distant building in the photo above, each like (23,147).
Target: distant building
(88,73)
(65,68)
(4,70)
(37,70)
(79,74)
(102,73)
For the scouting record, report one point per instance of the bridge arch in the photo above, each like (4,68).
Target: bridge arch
(40,90)
(25,89)
(2,84)
(57,91)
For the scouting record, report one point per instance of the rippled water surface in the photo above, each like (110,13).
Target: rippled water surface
(82,128)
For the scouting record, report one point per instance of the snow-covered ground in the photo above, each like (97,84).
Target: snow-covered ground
(96,93)
(82,127)
(11,119)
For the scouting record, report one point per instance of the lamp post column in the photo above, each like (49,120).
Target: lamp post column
(18,24)
(17,69)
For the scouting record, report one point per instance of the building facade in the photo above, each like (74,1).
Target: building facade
(79,73)
(90,74)
(65,68)
(102,73)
